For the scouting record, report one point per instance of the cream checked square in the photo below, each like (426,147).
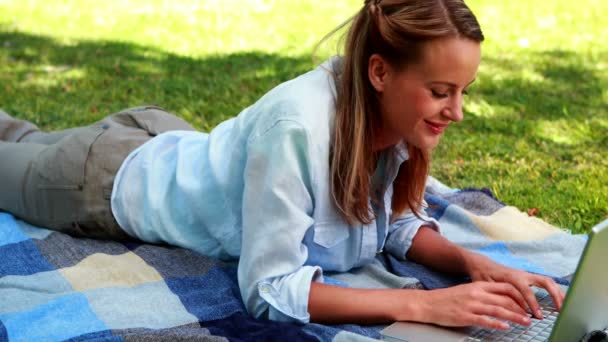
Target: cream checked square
(104,270)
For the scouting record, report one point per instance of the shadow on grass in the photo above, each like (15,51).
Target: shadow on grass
(553,99)
(563,78)
(47,81)
(549,107)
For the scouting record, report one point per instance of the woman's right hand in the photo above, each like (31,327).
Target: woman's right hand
(483,304)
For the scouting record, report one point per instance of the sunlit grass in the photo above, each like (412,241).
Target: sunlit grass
(536,122)
(188,28)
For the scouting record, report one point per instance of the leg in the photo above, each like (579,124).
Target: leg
(64,181)
(15,168)
(48,138)
(46,185)
(13,129)
(16,130)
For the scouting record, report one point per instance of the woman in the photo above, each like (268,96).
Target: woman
(322,173)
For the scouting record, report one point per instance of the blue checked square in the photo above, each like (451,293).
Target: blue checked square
(22,258)
(60,319)
(10,231)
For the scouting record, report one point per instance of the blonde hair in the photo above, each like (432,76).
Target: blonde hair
(395,29)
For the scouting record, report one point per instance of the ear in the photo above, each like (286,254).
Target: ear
(377,71)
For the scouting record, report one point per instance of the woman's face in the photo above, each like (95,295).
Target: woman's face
(418,102)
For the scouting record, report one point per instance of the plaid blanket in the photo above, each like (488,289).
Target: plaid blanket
(54,287)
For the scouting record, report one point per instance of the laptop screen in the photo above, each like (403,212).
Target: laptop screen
(586,305)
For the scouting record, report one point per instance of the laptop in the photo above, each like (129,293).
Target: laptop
(585,309)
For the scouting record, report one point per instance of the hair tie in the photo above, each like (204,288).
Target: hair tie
(374,9)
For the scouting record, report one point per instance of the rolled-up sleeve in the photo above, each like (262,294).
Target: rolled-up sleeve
(277,209)
(403,230)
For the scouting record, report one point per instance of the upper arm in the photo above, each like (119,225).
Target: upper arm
(277,212)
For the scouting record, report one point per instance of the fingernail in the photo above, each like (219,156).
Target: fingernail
(527,320)
(539,314)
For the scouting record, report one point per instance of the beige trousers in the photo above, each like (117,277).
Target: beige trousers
(63,180)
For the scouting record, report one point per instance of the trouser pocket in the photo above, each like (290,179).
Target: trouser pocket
(58,178)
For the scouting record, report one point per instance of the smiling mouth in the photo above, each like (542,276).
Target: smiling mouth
(435,128)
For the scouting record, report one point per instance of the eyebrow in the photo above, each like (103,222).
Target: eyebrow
(453,85)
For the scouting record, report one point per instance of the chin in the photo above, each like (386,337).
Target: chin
(427,143)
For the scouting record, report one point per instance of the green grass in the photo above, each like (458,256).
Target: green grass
(536,122)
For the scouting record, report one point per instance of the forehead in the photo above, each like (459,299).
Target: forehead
(452,60)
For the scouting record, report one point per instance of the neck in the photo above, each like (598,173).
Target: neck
(382,140)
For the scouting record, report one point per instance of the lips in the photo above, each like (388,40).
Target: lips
(435,127)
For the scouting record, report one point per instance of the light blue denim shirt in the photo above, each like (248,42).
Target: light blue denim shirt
(257,188)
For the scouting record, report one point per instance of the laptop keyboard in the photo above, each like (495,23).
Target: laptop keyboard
(539,330)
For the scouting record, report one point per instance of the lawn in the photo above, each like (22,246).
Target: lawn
(536,121)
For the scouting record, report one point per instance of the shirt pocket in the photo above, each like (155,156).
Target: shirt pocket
(330,234)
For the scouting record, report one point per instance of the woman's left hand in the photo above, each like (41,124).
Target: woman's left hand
(482,268)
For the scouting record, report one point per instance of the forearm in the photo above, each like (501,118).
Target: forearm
(431,249)
(334,304)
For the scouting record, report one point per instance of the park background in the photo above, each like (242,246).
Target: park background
(536,120)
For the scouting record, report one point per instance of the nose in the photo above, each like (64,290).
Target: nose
(453,110)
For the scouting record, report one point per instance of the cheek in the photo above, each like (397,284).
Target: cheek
(420,103)
(408,106)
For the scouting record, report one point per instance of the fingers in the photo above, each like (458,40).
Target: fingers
(487,322)
(523,287)
(530,298)
(485,304)
(506,302)
(511,291)
(502,314)
(553,288)
(518,287)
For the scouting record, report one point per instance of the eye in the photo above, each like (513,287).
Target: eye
(437,94)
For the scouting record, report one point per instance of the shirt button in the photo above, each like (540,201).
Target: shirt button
(264,289)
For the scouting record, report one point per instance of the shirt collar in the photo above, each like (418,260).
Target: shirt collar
(401,153)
